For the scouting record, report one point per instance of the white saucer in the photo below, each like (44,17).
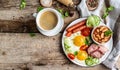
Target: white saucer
(56,31)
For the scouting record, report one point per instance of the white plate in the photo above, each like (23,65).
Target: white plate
(108,45)
(56,31)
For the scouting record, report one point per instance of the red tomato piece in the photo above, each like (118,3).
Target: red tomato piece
(86,31)
(71,56)
(84,48)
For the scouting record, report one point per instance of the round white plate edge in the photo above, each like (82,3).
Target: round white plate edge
(75,22)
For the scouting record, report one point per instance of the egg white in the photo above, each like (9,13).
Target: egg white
(74,48)
(71,44)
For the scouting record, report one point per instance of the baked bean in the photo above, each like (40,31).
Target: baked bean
(105,29)
(97,30)
(102,35)
(102,28)
(99,34)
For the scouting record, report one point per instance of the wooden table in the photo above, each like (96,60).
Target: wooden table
(20,51)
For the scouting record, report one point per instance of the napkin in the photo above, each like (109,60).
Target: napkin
(111,22)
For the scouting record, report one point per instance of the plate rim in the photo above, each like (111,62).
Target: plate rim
(63,35)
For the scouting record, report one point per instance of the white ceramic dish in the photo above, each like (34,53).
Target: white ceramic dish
(53,31)
(82,63)
(94,30)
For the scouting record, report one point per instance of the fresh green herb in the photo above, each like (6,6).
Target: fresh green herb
(23,4)
(91,61)
(64,14)
(108,33)
(88,41)
(61,11)
(75,53)
(105,15)
(111,8)
(32,34)
(39,9)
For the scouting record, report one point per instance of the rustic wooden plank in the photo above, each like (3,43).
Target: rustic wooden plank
(48,67)
(18,21)
(16,3)
(13,66)
(14,20)
(67,67)
(20,48)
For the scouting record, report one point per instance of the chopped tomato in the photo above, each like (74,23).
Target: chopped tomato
(84,48)
(71,56)
(86,31)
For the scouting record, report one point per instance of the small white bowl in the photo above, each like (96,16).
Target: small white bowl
(94,30)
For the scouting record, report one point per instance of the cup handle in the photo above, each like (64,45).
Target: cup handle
(35,15)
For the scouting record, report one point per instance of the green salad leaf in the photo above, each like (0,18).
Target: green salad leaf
(93,21)
(108,33)
(91,61)
(23,4)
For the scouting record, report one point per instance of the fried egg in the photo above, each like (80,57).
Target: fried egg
(75,41)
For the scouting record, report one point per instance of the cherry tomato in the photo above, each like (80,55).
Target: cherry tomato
(71,56)
(84,47)
(86,31)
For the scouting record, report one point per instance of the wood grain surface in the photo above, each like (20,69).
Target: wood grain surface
(20,51)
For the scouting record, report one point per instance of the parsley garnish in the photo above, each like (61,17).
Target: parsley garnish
(108,33)
(64,14)
(39,9)
(23,4)
(111,8)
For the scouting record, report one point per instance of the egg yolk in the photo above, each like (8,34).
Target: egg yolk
(82,55)
(79,41)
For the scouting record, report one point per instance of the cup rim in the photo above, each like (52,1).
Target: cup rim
(44,10)
(94,30)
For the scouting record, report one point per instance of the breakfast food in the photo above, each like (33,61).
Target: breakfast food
(79,45)
(46,3)
(93,21)
(96,51)
(48,20)
(82,55)
(92,4)
(66,2)
(102,34)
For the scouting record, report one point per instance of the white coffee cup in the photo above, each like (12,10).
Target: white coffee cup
(58,26)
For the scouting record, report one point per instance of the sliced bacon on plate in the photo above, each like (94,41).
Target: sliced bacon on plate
(97,51)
